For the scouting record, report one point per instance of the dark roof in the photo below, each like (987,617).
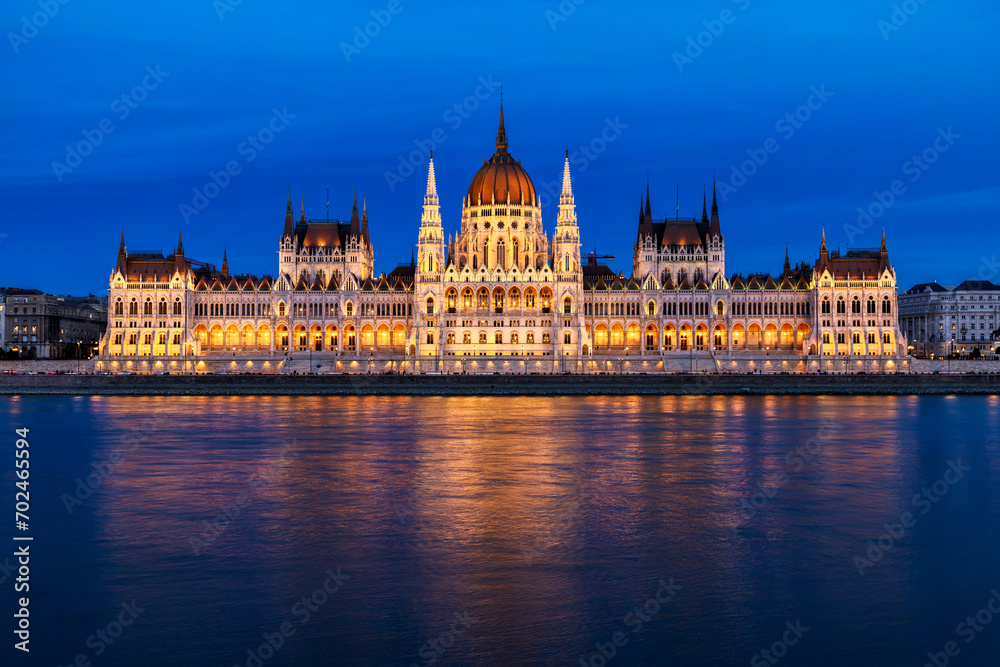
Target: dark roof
(595,270)
(403,271)
(976,286)
(926,287)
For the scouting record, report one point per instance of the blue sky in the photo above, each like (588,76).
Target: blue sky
(690,91)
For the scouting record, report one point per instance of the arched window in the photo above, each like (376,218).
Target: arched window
(855,306)
(162,310)
(530,338)
(281,309)
(430,337)
(514,253)
(841,307)
(498,338)
(467,338)
(430,305)
(177,306)
(871,305)
(886,306)
(451,338)
(825,307)
(546,339)
(501,254)
(483,299)
(513,338)
(719,308)
(567,338)
(482,338)
(567,305)
(349,309)
(147,307)
(119,307)
(546,297)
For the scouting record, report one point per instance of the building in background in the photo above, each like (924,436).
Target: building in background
(502,295)
(3,323)
(963,320)
(47,326)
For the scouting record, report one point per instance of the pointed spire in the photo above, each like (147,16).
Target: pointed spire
(413,259)
(642,206)
(501,132)
(823,252)
(649,206)
(788,266)
(180,244)
(289,216)
(225,264)
(883,249)
(302,216)
(364,221)
(355,227)
(431,196)
(715,227)
(567,184)
(704,207)
(122,265)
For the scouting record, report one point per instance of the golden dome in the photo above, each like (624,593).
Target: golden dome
(501,177)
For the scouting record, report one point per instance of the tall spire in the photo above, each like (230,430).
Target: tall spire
(431,196)
(567,184)
(289,219)
(501,132)
(364,221)
(788,266)
(704,207)
(715,227)
(883,254)
(649,206)
(431,216)
(355,227)
(645,215)
(302,216)
(122,264)
(225,264)
(413,259)
(823,252)
(567,202)
(179,254)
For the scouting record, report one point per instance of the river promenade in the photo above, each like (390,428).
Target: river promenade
(495,385)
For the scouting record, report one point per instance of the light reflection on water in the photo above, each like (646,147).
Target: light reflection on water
(547,519)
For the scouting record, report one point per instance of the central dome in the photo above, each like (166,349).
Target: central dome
(501,177)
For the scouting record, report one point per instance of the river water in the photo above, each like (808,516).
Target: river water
(509,531)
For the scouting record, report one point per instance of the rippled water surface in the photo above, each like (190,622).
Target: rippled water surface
(510,531)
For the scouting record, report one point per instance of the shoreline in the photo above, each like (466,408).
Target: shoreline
(498,385)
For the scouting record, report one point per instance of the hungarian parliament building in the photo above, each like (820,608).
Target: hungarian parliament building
(501,295)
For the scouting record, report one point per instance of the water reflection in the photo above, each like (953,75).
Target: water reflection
(546,519)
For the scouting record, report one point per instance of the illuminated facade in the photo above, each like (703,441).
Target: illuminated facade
(500,288)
